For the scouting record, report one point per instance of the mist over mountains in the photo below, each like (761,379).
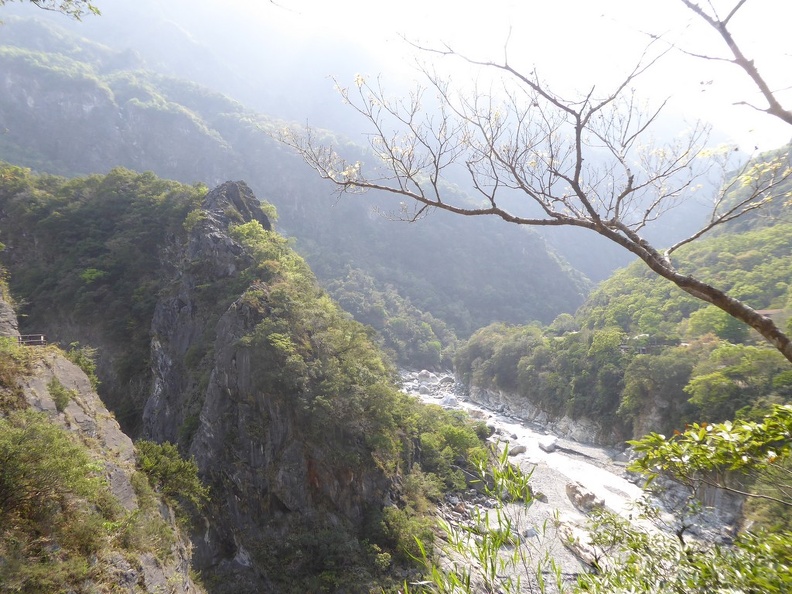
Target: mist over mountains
(236,51)
(80,109)
(225,304)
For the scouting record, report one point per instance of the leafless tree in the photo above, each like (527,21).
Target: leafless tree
(590,161)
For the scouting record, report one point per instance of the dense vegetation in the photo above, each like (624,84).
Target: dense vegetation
(87,258)
(642,355)
(310,354)
(87,252)
(186,132)
(412,338)
(60,525)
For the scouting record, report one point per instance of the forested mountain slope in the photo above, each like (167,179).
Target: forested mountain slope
(640,355)
(212,333)
(70,106)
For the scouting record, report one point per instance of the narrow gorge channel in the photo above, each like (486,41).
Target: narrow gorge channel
(568,479)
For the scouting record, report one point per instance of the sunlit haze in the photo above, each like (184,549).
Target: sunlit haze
(574,44)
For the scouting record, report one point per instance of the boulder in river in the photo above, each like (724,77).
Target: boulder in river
(582,498)
(548,444)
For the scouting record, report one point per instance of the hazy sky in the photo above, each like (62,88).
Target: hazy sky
(573,43)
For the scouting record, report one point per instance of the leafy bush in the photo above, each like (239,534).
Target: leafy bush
(40,466)
(60,394)
(85,359)
(15,361)
(173,476)
(47,532)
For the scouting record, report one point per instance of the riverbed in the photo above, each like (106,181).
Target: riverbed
(599,470)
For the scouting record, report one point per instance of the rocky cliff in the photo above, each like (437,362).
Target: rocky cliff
(129,558)
(274,479)
(252,370)
(581,429)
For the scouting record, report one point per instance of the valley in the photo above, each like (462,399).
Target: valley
(234,256)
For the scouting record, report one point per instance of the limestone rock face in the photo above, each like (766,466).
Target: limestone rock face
(86,416)
(582,430)
(269,475)
(185,319)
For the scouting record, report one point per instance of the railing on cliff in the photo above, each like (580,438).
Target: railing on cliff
(32,340)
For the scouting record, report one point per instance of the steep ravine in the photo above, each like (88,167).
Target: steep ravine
(120,565)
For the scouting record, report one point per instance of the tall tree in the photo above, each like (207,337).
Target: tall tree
(535,157)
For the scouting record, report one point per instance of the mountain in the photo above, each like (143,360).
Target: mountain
(77,512)
(81,107)
(641,355)
(250,53)
(211,333)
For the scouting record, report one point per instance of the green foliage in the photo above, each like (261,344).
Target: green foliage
(707,453)
(60,394)
(753,266)
(622,380)
(413,338)
(309,355)
(326,365)
(733,378)
(15,361)
(40,466)
(639,560)
(403,529)
(47,532)
(194,217)
(92,255)
(711,320)
(660,378)
(145,529)
(173,476)
(632,558)
(85,359)
(438,264)
(578,374)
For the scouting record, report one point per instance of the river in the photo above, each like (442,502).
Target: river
(597,469)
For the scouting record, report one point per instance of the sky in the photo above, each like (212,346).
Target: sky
(574,44)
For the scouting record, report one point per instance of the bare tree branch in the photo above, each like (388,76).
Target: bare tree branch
(773,108)
(536,158)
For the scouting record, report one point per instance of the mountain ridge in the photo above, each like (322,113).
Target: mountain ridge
(178,130)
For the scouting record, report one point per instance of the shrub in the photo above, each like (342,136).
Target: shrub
(14,362)
(40,466)
(173,476)
(85,359)
(60,394)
